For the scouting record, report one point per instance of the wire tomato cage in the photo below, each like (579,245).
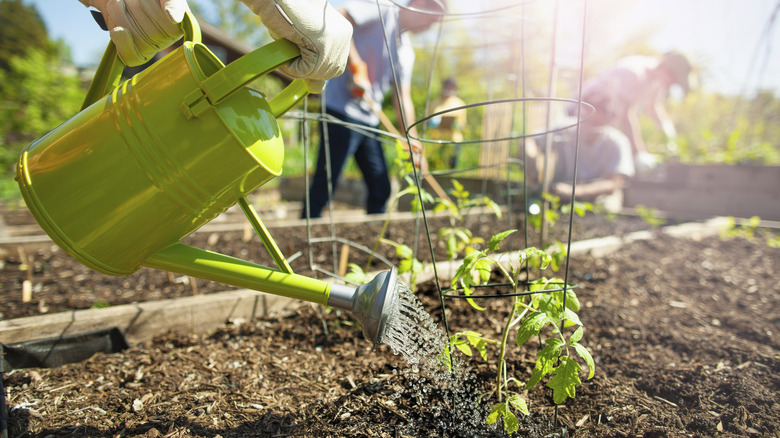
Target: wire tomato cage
(514,88)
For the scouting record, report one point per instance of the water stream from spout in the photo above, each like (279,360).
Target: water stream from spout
(449,393)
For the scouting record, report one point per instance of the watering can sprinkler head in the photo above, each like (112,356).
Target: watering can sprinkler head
(371,304)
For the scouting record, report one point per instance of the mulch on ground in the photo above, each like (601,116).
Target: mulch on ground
(684,334)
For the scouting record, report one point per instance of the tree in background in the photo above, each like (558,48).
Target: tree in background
(38,88)
(235,19)
(23,29)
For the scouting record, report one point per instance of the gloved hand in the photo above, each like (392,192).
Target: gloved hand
(322,35)
(418,159)
(360,83)
(141,28)
(645,163)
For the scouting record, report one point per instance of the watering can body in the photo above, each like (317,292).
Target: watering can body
(149,161)
(154,159)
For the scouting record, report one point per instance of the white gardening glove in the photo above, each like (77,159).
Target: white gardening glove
(645,163)
(141,28)
(322,35)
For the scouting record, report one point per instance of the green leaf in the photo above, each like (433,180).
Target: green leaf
(444,358)
(404,251)
(585,355)
(467,291)
(356,274)
(484,268)
(457,186)
(478,342)
(463,346)
(404,266)
(571,317)
(495,413)
(439,207)
(464,270)
(501,410)
(496,239)
(545,361)
(452,247)
(511,424)
(565,379)
(494,207)
(531,326)
(572,302)
(577,335)
(519,403)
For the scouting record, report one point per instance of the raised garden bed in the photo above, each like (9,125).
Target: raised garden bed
(683,331)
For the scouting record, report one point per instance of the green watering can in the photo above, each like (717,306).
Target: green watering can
(148,161)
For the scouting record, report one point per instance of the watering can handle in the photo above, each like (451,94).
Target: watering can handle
(109,71)
(240,72)
(220,85)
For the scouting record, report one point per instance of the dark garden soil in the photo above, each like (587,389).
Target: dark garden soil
(684,334)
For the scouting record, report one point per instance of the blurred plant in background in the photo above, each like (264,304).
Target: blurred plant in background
(39,88)
(717,129)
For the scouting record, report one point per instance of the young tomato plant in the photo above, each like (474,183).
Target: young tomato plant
(458,239)
(650,216)
(409,263)
(555,209)
(544,309)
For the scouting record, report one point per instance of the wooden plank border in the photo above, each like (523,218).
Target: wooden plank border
(143,321)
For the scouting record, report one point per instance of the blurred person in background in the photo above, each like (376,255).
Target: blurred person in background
(603,164)
(380,45)
(449,125)
(640,84)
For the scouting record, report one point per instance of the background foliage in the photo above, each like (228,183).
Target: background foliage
(39,88)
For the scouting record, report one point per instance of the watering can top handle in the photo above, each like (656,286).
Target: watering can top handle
(245,69)
(251,66)
(220,85)
(109,71)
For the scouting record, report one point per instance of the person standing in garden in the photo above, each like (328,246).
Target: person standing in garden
(640,84)
(604,159)
(141,28)
(449,125)
(380,61)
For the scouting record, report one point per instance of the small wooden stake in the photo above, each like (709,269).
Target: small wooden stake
(344,260)
(248,232)
(26,291)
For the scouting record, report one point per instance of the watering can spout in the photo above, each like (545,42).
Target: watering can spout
(372,304)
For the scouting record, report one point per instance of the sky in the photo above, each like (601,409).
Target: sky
(727,38)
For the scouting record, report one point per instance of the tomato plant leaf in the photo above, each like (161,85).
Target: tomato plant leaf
(467,291)
(545,361)
(501,410)
(565,379)
(403,251)
(484,268)
(519,403)
(463,346)
(531,326)
(586,356)
(356,274)
(571,317)
(496,239)
(577,335)
(478,342)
